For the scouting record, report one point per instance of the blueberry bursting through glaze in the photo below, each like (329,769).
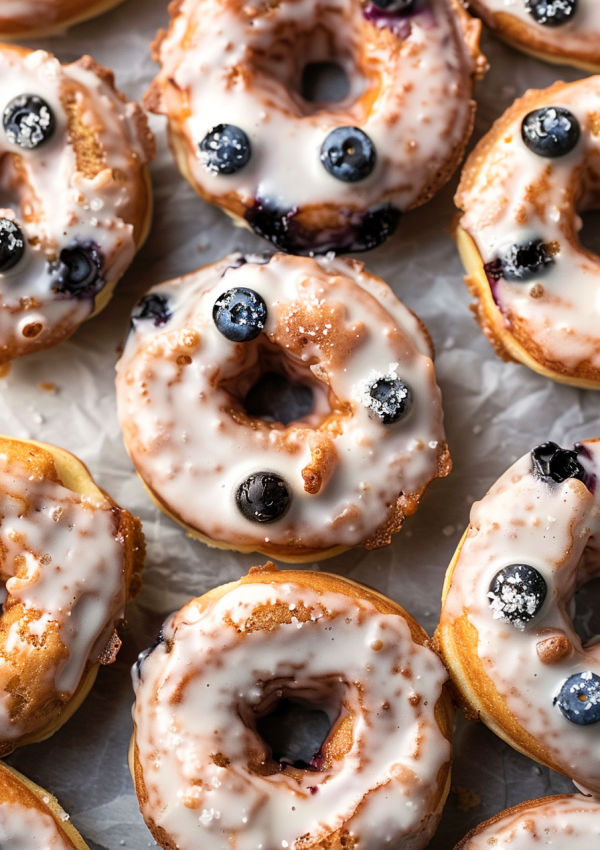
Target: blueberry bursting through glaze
(388,399)
(155,307)
(240,314)
(348,154)
(579,698)
(28,121)
(263,497)
(553,464)
(517,594)
(12,244)
(146,652)
(550,132)
(521,263)
(225,149)
(393,5)
(551,13)
(78,272)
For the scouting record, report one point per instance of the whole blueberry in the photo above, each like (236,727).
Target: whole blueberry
(12,244)
(225,149)
(517,594)
(28,121)
(579,698)
(551,463)
(263,497)
(550,132)
(551,13)
(79,270)
(520,263)
(348,154)
(393,5)
(389,399)
(240,314)
(154,306)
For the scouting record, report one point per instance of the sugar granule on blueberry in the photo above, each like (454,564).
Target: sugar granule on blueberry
(263,497)
(348,154)
(517,594)
(12,244)
(240,314)
(551,13)
(225,149)
(551,131)
(579,698)
(153,307)
(28,121)
(386,396)
(551,463)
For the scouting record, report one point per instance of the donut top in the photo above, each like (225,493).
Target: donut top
(182,386)
(72,156)
(531,544)
(209,778)
(521,197)
(27,828)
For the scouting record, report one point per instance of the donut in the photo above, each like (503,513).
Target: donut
(31,818)
(566,32)
(567,821)
(314,176)
(282,405)
(37,18)
(506,631)
(70,559)
(74,156)
(347,671)
(537,287)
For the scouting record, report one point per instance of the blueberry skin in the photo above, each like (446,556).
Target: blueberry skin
(393,5)
(553,464)
(79,271)
(517,594)
(390,400)
(12,244)
(550,132)
(579,698)
(263,497)
(551,13)
(521,263)
(226,149)
(154,306)
(348,154)
(28,121)
(240,314)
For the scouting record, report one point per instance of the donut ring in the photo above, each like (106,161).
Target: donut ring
(70,559)
(551,820)
(527,26)
(537,287)
(310,638)
(332,474)
(39,18)
(74,156)
(505,630)
(31,817)
(317,176)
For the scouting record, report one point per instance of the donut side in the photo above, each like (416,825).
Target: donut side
(60,15)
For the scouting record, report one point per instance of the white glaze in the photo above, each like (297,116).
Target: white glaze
(191,452)
(510,195)
(218,667)
(553,528)
(69,206)
(569,823)
(27,828)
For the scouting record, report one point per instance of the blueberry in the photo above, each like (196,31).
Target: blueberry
(579,698)
(388,399)
(154,306)
(28,121)
(79,270)
(226,149)
(517,594)
(393,5)
(521,263)
(551,13)
(12,244)
(550,132)
(146,652)
(240,314)
(263,497)
(348,154)
(550,462)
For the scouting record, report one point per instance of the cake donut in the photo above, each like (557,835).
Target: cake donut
(283,405)
(537,287)
(317,176)
(70,559)
(31,818)
(506,631)
(36,18)
(302,645)
(74,156)
(566,822)
(561,31)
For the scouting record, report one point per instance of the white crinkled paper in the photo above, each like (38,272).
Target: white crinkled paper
(495,412)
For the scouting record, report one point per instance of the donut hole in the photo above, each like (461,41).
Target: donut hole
(295,732)
(275,398)
(324,82)
(589,235)
(586,612)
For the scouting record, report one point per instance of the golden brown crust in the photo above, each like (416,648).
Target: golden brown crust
(61,15)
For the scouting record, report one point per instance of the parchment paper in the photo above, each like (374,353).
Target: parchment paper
(495,412)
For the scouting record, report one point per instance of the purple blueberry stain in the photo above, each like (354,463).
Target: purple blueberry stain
(398,15)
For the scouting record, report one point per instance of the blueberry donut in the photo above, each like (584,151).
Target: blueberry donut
(506,631)
(567,821)
(317,175)
(37,18)
(31,818)
(70,559)
(566,32)
(285,405)
(365,761)
(537,287)
(74,156)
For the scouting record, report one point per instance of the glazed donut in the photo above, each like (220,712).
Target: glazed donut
(229,663)
(567,822)
(563,31)
(317,176)
(505,630)
(70,559)
(31,818)
(74,156)
(201,395)
(537,287)
(37,18)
